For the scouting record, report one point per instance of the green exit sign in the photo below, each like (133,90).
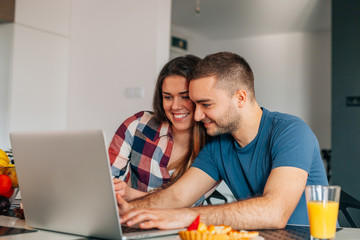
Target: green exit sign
(179,43)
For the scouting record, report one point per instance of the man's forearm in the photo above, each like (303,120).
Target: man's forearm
(255,213)
(273,209)
(163,198)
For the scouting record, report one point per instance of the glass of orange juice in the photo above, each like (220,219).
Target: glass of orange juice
(323,207)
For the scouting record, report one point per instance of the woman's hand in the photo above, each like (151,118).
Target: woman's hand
(120,187)
(127,193)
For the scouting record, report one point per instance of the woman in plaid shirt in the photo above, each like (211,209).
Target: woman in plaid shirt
(153,149)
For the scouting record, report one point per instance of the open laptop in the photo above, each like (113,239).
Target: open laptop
(66,184)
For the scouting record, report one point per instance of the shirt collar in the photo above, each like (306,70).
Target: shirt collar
(153,130)
(165,130)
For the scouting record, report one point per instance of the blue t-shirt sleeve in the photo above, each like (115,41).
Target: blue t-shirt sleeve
(206,161)
(294,145)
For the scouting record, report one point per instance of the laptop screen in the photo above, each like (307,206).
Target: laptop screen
(66,184)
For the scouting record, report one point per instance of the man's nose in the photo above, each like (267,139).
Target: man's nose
(199,114)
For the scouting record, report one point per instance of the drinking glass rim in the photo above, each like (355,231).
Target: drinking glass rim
(323,186)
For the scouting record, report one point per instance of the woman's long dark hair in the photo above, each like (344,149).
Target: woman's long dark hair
(180,66)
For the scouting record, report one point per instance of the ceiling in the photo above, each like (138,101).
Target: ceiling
(220,19)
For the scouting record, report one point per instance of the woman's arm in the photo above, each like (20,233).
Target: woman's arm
(126,191)
(119,155)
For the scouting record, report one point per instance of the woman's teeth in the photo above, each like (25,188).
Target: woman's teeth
(178,116)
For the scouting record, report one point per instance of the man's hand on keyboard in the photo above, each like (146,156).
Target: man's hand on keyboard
(159,218)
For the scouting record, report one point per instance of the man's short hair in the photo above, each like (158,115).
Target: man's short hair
(231,71)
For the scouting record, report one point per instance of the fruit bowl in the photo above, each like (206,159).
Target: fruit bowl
(9,186)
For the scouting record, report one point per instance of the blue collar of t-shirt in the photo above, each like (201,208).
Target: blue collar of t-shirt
(249,147)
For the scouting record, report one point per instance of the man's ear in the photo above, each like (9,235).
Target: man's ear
(241,98)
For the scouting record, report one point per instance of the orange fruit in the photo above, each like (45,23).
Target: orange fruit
(11,172)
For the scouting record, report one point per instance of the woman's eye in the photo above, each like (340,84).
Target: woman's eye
(185,97)
(167,97)
(205,105)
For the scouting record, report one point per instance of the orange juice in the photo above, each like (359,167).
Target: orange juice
(322,218)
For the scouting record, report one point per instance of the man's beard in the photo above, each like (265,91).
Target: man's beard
(228,123)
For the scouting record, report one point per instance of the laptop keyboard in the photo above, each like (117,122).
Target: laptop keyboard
(126,229)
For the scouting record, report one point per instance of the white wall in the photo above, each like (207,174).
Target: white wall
(73,60)
(292,72)
(39,80)
(292,75)
(114,46)
(196,43)
(38,84)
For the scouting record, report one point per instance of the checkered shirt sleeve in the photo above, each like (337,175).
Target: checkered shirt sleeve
(140,152)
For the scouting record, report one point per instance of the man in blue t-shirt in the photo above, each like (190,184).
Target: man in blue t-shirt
(266,158)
